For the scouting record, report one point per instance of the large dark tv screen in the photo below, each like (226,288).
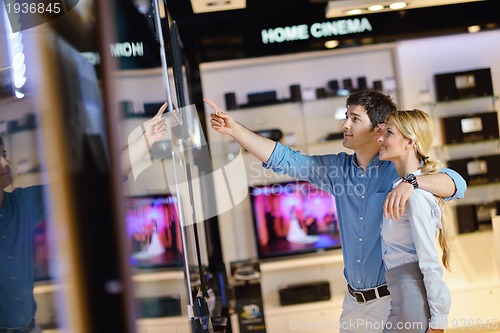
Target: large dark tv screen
(153,232)
(293,218)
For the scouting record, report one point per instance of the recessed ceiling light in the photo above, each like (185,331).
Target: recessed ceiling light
(474,28)
(375,8)
(331,44)
(219,3)
(367,40)
(397,5)
(356,11)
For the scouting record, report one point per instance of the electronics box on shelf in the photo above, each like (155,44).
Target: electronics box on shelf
(478,170)
(470,128)
(465,84)
(474,217)
(304,292)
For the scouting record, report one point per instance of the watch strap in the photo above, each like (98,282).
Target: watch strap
(411,179)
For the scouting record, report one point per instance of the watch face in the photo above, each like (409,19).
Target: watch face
(409,177)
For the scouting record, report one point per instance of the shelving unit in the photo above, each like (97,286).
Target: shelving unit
(139,87)
(412,64)
(305,125)
(476,194)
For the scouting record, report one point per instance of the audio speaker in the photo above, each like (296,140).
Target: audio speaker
(466,217)
(262,98)
(273,134)
(333,85)
(466,84)
(483,82)
(361,83)
(295,93)
(471,128)
(162,306)
(126,107)
(320,93)
(445,87)
(230,99)
(377,85)
(304,292)
(150,109)
(484,214)
(478,170)
(347,84)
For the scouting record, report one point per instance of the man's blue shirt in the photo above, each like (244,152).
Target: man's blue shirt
(22,209)
(359,197)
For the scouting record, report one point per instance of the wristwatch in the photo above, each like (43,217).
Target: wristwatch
(410,179)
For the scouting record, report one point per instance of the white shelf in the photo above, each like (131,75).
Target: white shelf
(163,321)
(317,259)
(42,288)
(493,283)
(157,276)
(305,307)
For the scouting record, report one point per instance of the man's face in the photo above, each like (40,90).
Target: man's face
(358,132)
(5,175)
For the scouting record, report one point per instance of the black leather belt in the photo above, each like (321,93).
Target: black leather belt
(25,329)
(367,295)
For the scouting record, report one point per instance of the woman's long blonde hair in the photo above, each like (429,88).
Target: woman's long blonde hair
(417,126)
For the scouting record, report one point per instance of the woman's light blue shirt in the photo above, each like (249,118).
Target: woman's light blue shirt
(412,238)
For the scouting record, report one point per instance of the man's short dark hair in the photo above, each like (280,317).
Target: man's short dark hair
(376,104)
(1,141)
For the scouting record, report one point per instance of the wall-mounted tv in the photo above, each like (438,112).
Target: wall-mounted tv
(293,218)
(153,232)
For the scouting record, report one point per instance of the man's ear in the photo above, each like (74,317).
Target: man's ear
(380,129)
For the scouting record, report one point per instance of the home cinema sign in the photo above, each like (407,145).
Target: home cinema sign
(315,30)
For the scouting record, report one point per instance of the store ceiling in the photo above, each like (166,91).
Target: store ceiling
(235,34)
(339,8)
(334,8)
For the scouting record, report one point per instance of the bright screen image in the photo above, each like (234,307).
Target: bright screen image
(41,255)
(153,232)
(293,218)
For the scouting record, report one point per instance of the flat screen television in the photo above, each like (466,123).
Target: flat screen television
(41,253)
(153,232)
(293,218)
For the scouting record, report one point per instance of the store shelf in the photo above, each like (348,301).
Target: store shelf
(319,259)
(162,321)
(158,276)
(305,307)
(45,287)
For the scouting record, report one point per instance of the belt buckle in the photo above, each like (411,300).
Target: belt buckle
(356,293)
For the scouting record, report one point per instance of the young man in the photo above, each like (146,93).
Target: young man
(20,211)
(362,185)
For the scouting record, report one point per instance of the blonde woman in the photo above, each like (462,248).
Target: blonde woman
(420,299)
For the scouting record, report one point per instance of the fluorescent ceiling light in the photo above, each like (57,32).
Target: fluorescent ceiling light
(375,8)
(205,6)
(331,44)
(340,8)
(356,11)
(398,5)
(474,28)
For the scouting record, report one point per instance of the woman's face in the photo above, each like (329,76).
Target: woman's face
(393,144)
